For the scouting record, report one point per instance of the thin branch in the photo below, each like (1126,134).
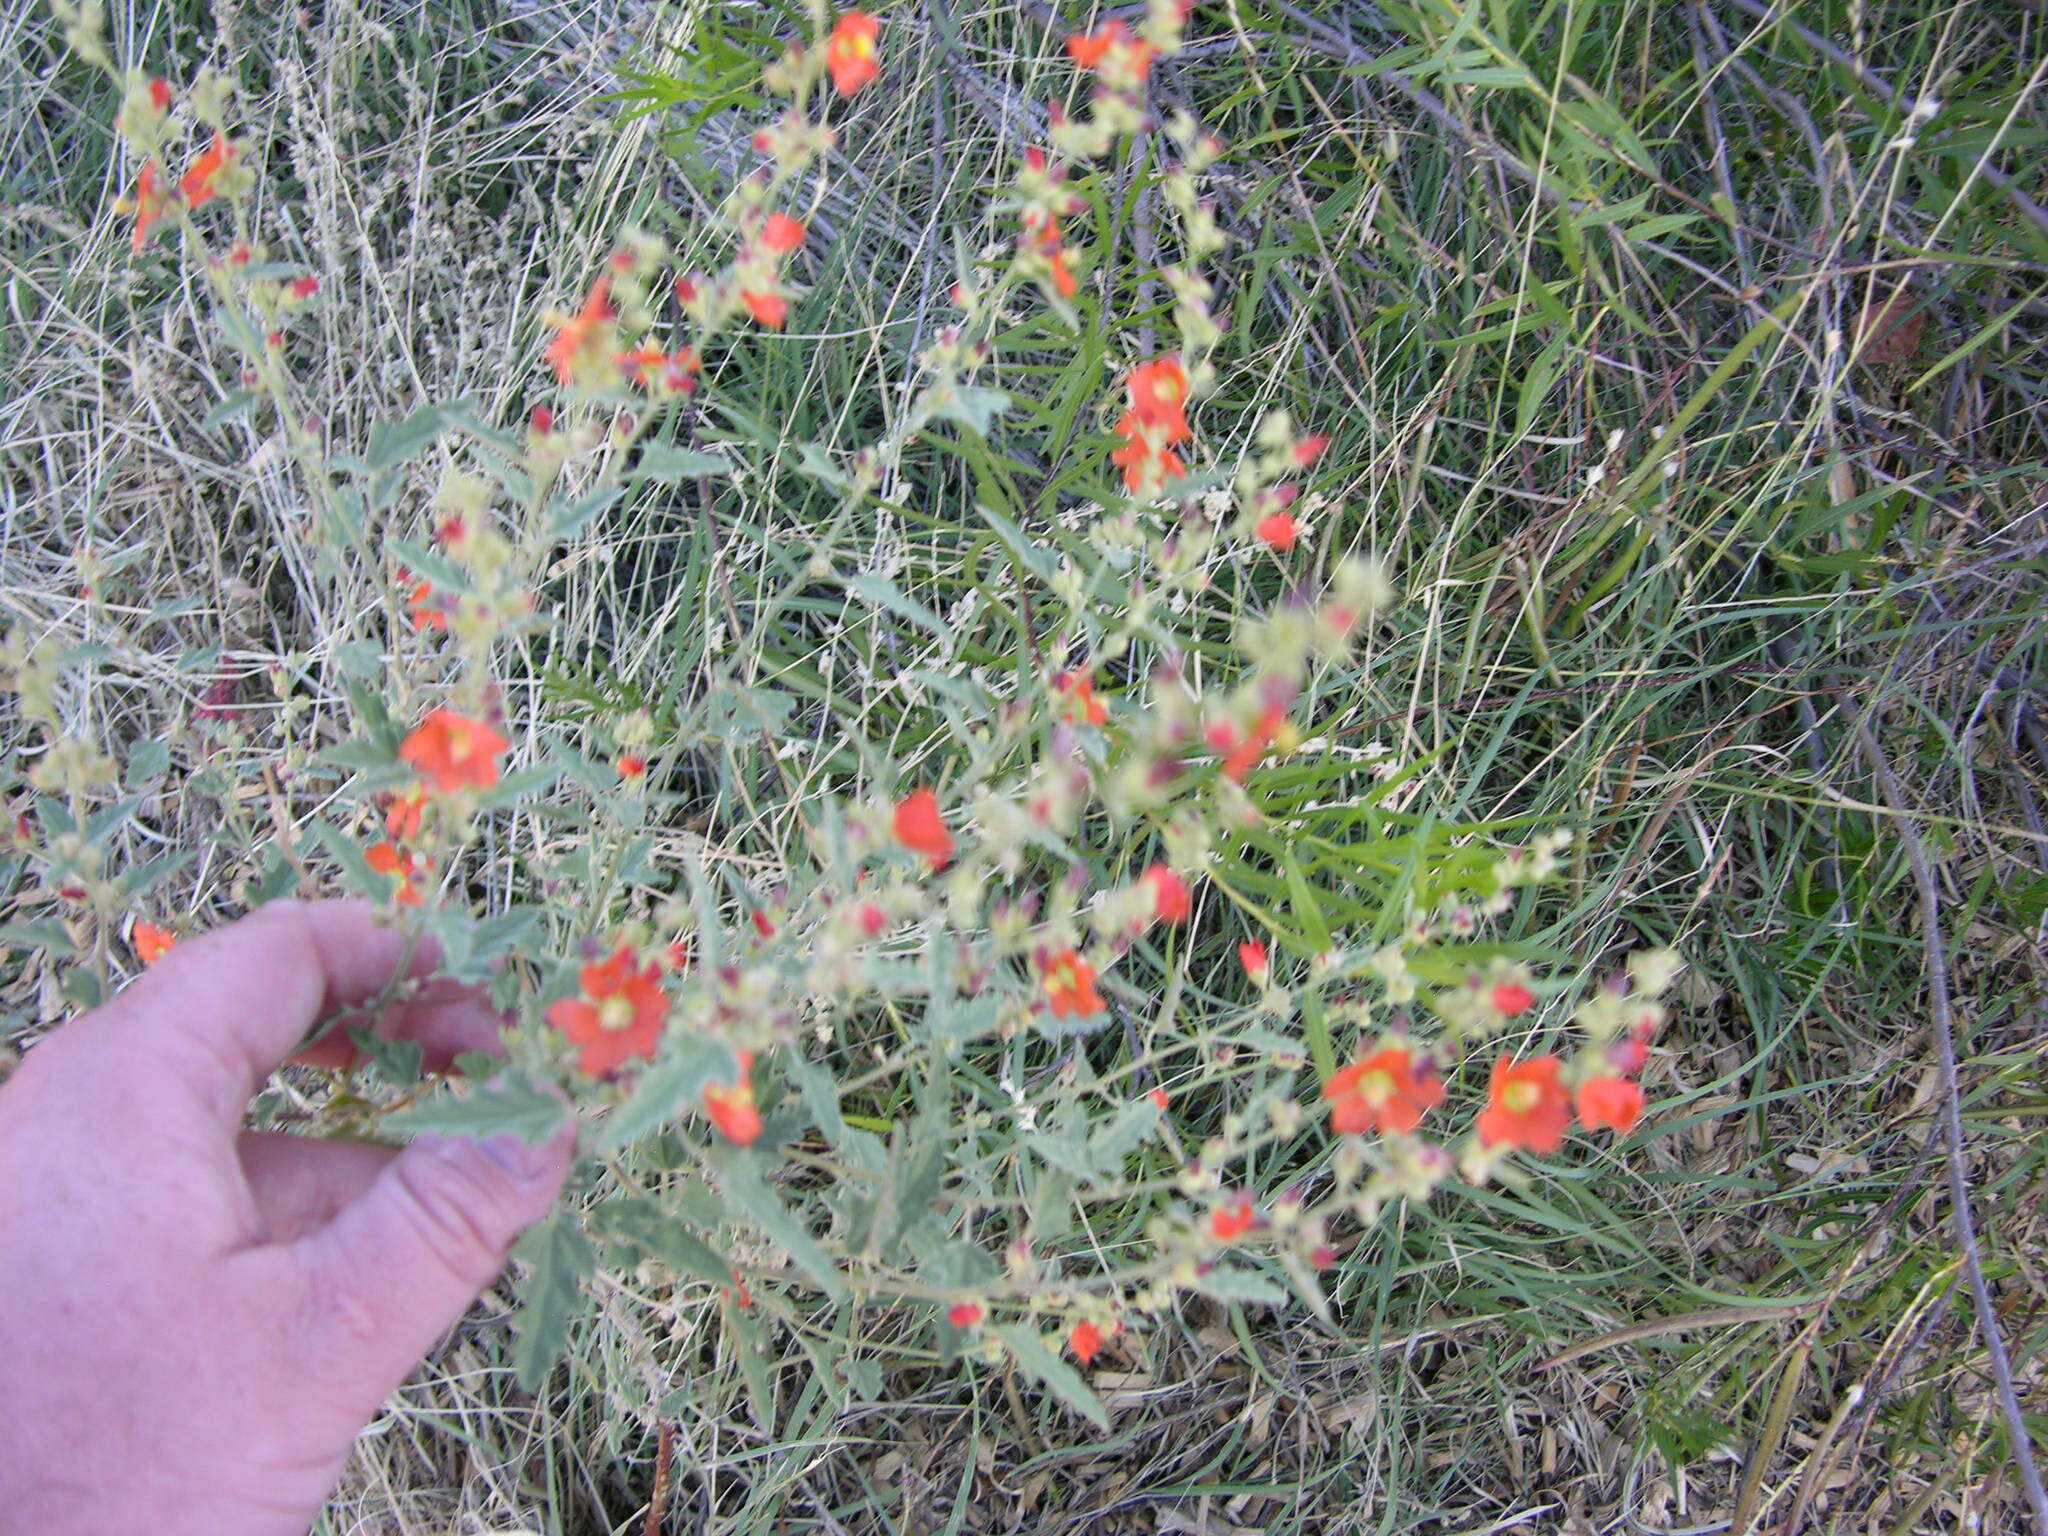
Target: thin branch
(2017,1436)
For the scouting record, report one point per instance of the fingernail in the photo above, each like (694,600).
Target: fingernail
(512,1153)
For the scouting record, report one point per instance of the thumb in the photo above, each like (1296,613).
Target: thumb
(401,1263)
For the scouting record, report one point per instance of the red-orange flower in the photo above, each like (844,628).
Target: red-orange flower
(151,942)
(1229,1222)
(1279,531)
(632,765)
(730,1106)
(782,234)
(1159,1099)
(1609,1103)
(850,52)
(922,829)
(197,184)
(1145,468)
(1381,1092)
(1077,690)
(1086,1341)
(579,336)
(401,865)
(1170,901)
(150,200)
(453,752)
(1252,956)
(964,1314)
(1112,40)
(426,609)
(617,1016)
(1070,986)
(403,814)
(1242,756)
(1527,1106)
(1157,419)
(769,309)
(1159,394)
(1512,998)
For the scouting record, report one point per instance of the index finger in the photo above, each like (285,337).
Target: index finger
(221,1012)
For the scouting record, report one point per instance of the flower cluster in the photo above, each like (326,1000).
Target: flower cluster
(1062,856)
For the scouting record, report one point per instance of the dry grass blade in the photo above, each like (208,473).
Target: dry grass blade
(1941,1018)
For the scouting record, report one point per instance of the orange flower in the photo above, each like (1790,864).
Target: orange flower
(618,1016)
(1381,1092)
(632,766)
(1145,468)
(1244,756)
(1252,956)
(1158,392)
(1086,1341)
(580,336)
(770,309)
(1078,690)
(1279,531)
(1229,1222)
(426,609)
(730,1107)
(850,52)
(150,201)
(1112,44)
(402,815)
(390,859)
(1159,1099)
(1527,1106)
(1170,903)
(1609,1103)
(160,95)
(453,752)
(1070,986)
(922,829)
(782,234)
(1042,240)
(197,184)
(1512,998)
(151,942)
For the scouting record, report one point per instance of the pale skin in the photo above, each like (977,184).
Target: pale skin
(195,1319)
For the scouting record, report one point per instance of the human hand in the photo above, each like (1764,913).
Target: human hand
(195,1320)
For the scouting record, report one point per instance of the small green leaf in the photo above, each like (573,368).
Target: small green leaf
(509,1105)
(394,443)
(669,1088)
(565,520)
(561,1260)
(514,787)
(1241,1286)
(672,466)
(48,937)
(1035,1360)
(739,1176)
(971,406)
(397,1061)
(880,592)
(644,1225)
(227,409)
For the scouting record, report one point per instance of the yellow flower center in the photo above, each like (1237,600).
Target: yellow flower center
(859,45)
(1376,1087)
(615,1012)
(1520,1098)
